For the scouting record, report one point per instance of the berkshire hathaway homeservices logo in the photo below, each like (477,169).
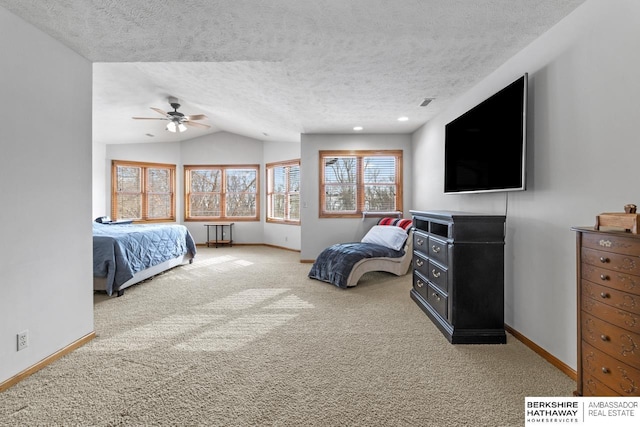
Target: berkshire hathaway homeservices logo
(582,411)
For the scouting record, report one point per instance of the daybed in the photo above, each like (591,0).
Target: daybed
(387,247)
(125,254)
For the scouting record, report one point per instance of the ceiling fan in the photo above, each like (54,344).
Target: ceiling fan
(177,120)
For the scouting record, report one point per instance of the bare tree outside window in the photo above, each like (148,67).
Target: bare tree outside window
(340,175)
(129,192)
(142,191)
(205,191)
(283,192)
(221,192)
(241,190)
(360,181)
(293,193)
(160,194)
(379,184)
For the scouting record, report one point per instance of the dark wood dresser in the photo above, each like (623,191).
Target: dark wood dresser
(608,265)
(458,274)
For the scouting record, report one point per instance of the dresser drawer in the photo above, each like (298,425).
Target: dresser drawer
(612,243)
(438,276)
(593,387)
(438,250)
(620,343)
(612,297)
(612,279)
(615,316)
(616,375)
(420,242)
(616,262)
(421,263)
(420,284)
(438,300)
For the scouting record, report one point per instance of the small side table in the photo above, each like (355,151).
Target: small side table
(220,241)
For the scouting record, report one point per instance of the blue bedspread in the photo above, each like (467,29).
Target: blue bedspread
(120,251)
(334,264)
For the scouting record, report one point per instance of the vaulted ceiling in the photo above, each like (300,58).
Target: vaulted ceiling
(274,69)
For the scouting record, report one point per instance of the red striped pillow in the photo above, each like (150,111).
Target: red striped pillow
(405,224)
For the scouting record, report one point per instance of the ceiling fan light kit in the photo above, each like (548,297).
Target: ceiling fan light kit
(175,126)
(178,122)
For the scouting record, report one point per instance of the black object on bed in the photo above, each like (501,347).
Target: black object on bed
(336,263)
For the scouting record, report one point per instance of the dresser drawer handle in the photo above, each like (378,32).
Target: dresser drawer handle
(419,262)
(419,283)
(435,249)
(419,242)
(605,370)
(435,273)
(604,277)
(604,338)
(604,295)
(436,296)
(604,260)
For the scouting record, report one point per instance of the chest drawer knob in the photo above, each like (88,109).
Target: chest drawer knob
(436,296)
(604,295)
(435,273)
(604,260)
(420,283)
(420,242)
(419,262)
(604,338)
(605,370)
(435,249)
(604,277)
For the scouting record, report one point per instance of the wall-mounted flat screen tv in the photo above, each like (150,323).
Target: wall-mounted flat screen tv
(485,148)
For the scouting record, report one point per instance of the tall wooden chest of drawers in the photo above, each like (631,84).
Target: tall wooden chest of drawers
(458,274)
(608,313)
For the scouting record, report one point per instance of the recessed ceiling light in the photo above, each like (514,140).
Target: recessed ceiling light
(357,128)
(403,119)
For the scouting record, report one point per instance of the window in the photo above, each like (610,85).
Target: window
(353,182)
(221,192)
(283,192)
(143,191)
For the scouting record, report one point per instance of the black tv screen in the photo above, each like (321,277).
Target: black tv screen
(485,147)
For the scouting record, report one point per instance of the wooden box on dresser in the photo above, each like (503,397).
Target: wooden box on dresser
(458,274)
(608,265)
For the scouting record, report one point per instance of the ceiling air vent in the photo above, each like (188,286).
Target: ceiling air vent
(426,102)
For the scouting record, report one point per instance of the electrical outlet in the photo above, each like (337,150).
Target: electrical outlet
(23,340)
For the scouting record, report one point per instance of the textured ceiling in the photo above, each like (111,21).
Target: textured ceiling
(274,69)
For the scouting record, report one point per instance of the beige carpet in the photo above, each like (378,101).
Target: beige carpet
(243,338)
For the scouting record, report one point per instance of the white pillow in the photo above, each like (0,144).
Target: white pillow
(385,235)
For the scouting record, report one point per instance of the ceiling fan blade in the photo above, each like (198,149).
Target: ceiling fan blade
(196,124)
(196,117)
(148,118)
(160,111)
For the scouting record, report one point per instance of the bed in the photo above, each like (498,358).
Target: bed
(387,247)
(126,254)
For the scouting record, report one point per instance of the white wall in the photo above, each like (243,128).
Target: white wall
(583,151)
(100,174)
(319,233)
(46,283)
(282,235)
